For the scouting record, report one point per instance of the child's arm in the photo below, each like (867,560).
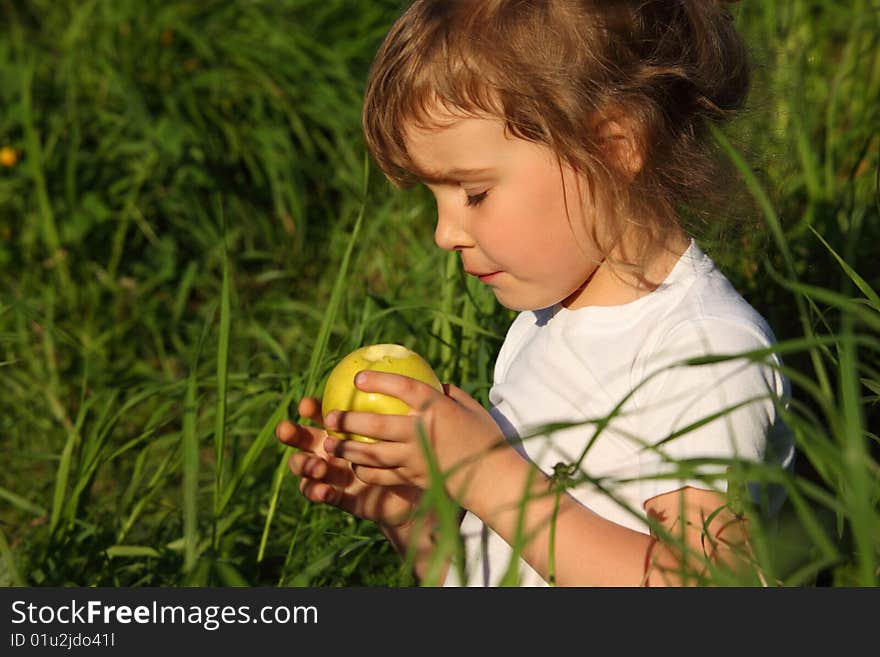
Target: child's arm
(593,551)
(489,478)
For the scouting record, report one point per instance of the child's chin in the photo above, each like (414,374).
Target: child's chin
(521,305)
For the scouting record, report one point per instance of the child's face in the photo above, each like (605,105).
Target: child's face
(501,204)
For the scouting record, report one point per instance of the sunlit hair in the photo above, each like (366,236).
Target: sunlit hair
(554,70)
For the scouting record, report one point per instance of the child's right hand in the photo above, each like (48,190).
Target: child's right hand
(331,480)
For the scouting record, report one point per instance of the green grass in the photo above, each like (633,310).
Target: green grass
(190,238)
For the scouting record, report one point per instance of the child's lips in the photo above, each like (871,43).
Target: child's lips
(484,277)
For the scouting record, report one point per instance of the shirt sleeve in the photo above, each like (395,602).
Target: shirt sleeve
(692,419)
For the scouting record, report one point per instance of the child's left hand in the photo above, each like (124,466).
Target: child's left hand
(459,431)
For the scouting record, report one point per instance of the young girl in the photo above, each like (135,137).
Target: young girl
(561,139)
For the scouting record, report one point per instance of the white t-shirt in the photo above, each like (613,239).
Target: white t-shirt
(559,365)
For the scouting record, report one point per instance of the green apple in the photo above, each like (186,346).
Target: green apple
(341,394)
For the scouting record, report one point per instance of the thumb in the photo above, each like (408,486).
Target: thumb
(460,396)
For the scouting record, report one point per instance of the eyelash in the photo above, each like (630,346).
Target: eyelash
(476,199)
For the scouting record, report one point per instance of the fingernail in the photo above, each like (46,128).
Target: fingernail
(360,378)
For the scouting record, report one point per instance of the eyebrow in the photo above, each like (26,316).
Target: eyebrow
(451,175)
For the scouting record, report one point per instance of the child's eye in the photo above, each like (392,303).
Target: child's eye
(476,199)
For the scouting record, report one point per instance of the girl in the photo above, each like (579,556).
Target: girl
(561,140)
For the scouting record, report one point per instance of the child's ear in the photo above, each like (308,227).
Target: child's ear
(620,139)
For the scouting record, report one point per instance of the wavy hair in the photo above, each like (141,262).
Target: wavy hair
(553,70)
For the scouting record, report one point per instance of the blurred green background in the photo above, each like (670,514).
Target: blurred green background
(189,238)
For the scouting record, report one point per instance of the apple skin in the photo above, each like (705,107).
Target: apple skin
(341,394)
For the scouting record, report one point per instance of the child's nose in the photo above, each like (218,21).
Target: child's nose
(451,233)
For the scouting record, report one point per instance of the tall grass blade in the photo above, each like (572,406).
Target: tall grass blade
(21,503)
(49,229)
(222,377)
(863,514)
(11,570)
(65,464)
(190,474)
(116,551)
(872,297)
(766,205)
(319,349)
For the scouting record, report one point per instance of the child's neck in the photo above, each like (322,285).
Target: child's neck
(615,286)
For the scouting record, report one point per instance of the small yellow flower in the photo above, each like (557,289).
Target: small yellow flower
(8,156)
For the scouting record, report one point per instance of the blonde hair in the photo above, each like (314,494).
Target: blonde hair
(553,70)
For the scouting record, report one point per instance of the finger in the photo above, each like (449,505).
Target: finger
(318,491)
(372,503)
(393,428)
(458,395)
(313,467)
(383,454)
(296,435)
(414,393)
(379,476)
(303,464)
(310,408)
